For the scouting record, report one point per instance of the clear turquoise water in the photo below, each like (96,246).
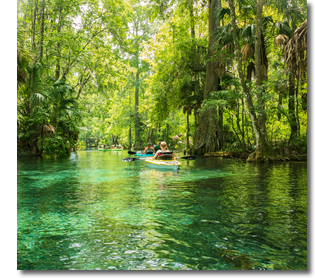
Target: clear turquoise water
(94,211)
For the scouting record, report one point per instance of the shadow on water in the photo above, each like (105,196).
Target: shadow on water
(93,211)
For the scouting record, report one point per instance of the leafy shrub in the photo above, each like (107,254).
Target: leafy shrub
(80,145)
(299,144)
(56,145)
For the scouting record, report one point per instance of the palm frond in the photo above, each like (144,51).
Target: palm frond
(248,31)
(281,40)
(38,98)
(59,82)
(66,102)
(48,130)
(295,51)
(266,20)
(247,51)
(223,34)
(73,112)
(282,27)
(229,47)
(222,12)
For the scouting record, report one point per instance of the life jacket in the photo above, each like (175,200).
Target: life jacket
(149,151)
(165,156)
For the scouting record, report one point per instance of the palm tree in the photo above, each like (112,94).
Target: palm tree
(55,108)
(60,98)
(295,51)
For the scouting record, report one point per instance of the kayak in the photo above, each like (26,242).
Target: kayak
(163,164)
(108,150)
(144,154)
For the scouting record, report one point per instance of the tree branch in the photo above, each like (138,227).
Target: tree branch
(75,58)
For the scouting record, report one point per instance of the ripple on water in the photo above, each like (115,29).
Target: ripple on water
(93,211)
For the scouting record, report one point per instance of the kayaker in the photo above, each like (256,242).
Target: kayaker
(148,149)
(163,148)
(157,147)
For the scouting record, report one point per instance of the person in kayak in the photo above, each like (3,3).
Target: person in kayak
(158,147)
(149,149)
(163,148)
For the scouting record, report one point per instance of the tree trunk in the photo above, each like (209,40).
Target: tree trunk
(187,137)
(259,70)
(208,132)
(221,109)
(41,35)
(137,121)
(130,144)
(292,117)
(34,25)
(33,47)
(192,31)
(129,137)
(192,18)
(263,150)
(279,103)
(57,72)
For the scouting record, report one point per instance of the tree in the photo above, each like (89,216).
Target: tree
(263,150)
(208,132)
(139,31)
(25,58)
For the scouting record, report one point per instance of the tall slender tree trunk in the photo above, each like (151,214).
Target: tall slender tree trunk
(263,150)
(33,45)
(187,137)
(192,30)
(130,136)
(137,120)
(130,144)
(292,116)
(57,72)
(259,70)
(41,33)
(34,25)
(208,133)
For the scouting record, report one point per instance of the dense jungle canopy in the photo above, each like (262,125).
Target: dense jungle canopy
(205,76)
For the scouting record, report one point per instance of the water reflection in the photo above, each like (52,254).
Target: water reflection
(93,211)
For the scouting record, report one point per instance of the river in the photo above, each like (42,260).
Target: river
(92,211)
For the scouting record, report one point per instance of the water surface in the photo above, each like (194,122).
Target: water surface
(94,211)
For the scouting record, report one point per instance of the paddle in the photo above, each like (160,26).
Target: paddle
(131,152)
(188,157)
(129,159)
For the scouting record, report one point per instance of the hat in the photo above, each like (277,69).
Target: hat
(150,144)
(163,143)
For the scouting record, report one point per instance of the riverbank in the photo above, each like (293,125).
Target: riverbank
(244,155)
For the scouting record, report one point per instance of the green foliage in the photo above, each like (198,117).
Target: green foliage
(56,145)
(80,145)
(299,144)
(100,58)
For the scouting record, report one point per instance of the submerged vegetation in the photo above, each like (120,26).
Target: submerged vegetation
(205,76)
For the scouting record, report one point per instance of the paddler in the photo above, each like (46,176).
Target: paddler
(163,148)
(149,149)
(158,147)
